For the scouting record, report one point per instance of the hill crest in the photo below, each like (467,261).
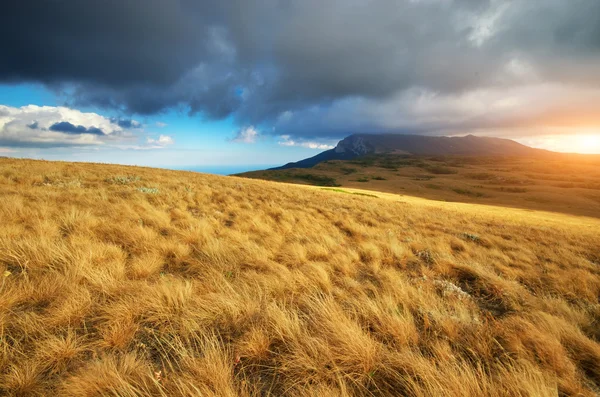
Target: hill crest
(363,144)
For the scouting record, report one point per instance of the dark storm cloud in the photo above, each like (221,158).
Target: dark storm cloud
(302,66)
(110,42)
(68,128)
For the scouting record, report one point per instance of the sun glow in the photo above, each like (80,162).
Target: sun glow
(587,144)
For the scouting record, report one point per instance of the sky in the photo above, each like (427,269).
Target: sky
(254,83)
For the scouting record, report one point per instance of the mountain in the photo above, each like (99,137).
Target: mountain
(310,162)
(362,144)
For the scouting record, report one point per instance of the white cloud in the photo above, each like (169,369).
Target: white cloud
(40,126)
(160,142)
(485,26)
(48,126)
(285,116)
(246,135)
(160,124)
(288,141)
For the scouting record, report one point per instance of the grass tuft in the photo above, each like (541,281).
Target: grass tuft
(123,179)
(148,190)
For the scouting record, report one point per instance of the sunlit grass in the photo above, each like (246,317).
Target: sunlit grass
(235,287)
(559,182)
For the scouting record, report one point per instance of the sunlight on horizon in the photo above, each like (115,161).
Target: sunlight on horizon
(588,143)
(585,143)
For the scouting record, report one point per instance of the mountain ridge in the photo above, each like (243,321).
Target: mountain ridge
(357,145)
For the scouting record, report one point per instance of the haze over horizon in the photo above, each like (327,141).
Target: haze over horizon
(249,83)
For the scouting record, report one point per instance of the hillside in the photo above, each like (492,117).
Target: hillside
(143,282)
(358,145)
(552,182)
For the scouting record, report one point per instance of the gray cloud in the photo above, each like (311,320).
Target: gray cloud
(102,41)
(125,123)
(312,68)
(68,128)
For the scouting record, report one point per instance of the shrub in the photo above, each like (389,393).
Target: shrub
(438,169)
(348,170)
(472,237)
(513,189)
(423,177)
(481,176)
(466,192)
(319,180)
(148,190)
(123,179)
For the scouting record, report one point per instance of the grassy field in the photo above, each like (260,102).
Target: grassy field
(562,183)
(125,281)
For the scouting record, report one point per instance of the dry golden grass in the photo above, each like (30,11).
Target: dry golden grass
(124,281)
(554,182)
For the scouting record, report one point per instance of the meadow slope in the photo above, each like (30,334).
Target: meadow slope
(567,183)
(125,281)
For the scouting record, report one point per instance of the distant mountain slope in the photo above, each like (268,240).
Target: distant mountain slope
(310,162)
(362,144)
(550,181)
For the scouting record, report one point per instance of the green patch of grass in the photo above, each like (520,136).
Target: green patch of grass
(440,170)
(364,194)
(438,159)
(123,179)
(472,237)
(513,189)
(537,200)
(394,162)
(363,161)
(509,181)
(60,183)
(148,190)
(363,179)
(481,176)
(348,170)
(335,190)
(390,165)
(422,177)
(312,179)
(378,178)
(318,180)
(566,185)
(466,192)
(354,193)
